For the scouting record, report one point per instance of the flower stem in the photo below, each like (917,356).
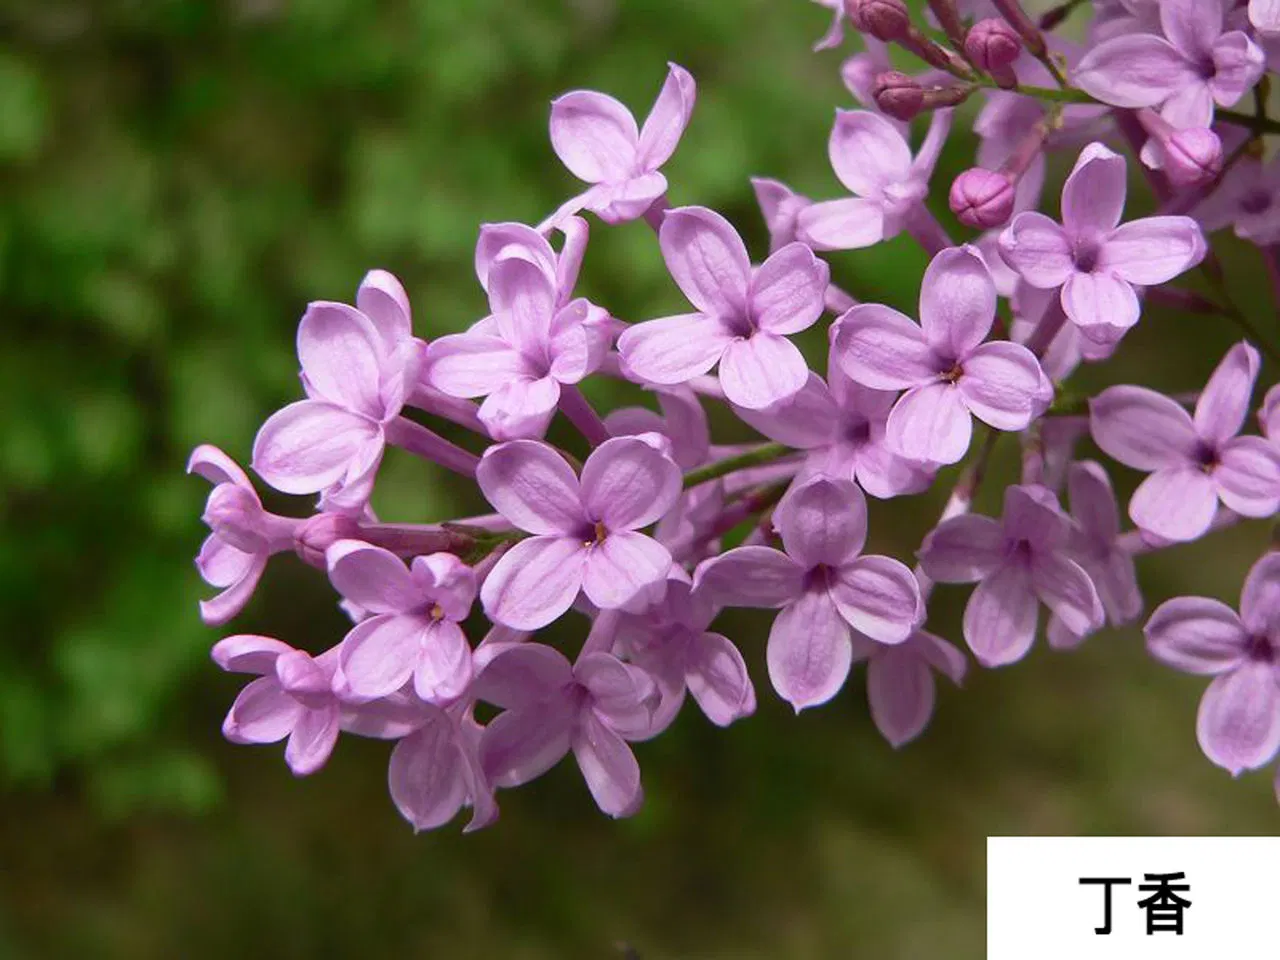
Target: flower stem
(765,453)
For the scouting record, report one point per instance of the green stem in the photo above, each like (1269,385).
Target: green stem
(1256,124)
(765,453)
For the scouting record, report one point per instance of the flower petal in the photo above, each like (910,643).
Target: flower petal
(1000,617)
(425,775)
(1248,477)
(867,152)
(628,484)
(930,424)
(1141,428)
(523,297)
(312,740)
(718,679)
(623,565)
(849,224)
(1093,196)
(520,409)
(673,350)
(750,577)
(521,674)
(382,299)
(534,582)
(762,370)
(1238,64)
(473,364)
(1260,598)
(707,260)
(878,347)
(380,654)
(1238,724)
(822,521)
(1066,589)
(262,713)
(1093,501)
(1196,635)
(1152,250)
(786,293)
(533,487)
(1102,305)
(803,421)
(342,357)
(666,121)
(1133,70)
(444,670)
(957,302)
(520,745)
(1224,401)
(235,597)
(962,549)
(1176,503)
(309,445)
(594,136)
(1038,249)
(216,467)
(1000,385)
(373,578)
(900,691)
(248,653)
(878,597)
(608,766)
(809,652)
(513,239)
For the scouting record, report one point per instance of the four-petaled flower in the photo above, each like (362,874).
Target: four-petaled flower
(1193,461)
(900,684)
(743,315)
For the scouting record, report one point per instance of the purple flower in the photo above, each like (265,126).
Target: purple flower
(1094,259)
(743,315)
(292,697)
(780,206)
(900,684)
(672,643)
(595,137)
(435,771)
(1193,462)
(948,372)
(1247,201)
(412,631)
(682,421)
(584,533)
(873,160)
(500,241)
(1197,66)
(1018,562)
(1265,16)
(1238,725)
(518,357)
(243,535)
(823,587)
(357,367)
(843,429)
(1095,544)
(550,708)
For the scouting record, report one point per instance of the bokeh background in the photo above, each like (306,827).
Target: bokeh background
(177,179)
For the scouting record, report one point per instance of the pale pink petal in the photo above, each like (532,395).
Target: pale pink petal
(962,549)
(750,577)
(718,679)
(575,349)
(248,653)
(520,674)
(1066,589)
(235,597)
(221,564)
(786,293)
(312,740)
(878,597)
(930,424)
(262,713)
(1196,635)
(1000,617)
(1153,250)
(1093,501)
(341,354)
(534,582)
(533,487)
(620,567)
(382,299)
(1093,196)
(1141,428)
(619,202)
(939,654)
(676,349)
(809,652)
(878,347)
(806,420)
(594,136)
(957,302)
(1260,598)
(522,296)
(1000,385)
(1116,578)
(668,118)
(1191,25)
(1238,724)
(309,445)
(569,262)
(473,364)
(444,670)
(523,744)
(1248,476)
(1238,65)
(379,654)
(822,521)
(1224,401)
(521,409)
(1133,70)
(707,260)
(1176,503)
(868,152)
(608,766)
(1100,304)
(513,239)
(849,224)
(426,776)
(762,370)
(1038,249)
(900,691)
(449,583)
(216,467)
(374,578)
(628,484)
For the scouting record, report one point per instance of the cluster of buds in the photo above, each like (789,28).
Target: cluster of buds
(646,529)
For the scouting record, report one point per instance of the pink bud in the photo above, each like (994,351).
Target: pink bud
(993,46)
(982,198)
(886,20)
(898,95)
(319,533)
(1192,157)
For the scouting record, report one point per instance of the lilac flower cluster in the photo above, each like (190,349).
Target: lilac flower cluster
(633,541)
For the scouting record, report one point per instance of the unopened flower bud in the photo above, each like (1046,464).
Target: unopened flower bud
(993,46)
(898,95)
(319,533)
(982,198)
(886,20)
(1192,157)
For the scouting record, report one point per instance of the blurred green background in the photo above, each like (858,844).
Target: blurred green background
(177,179)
